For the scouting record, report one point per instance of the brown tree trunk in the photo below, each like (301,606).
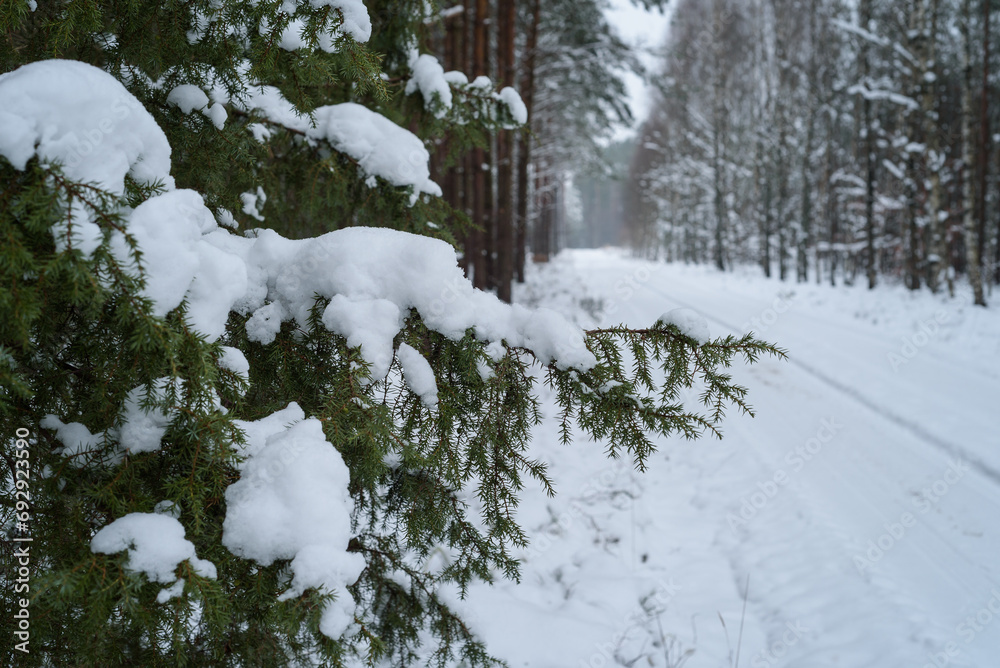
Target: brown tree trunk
(806,212)
(482,208)
(869,149)
(984,135)
(972,256)
(543,220)
(524,156)
(507,17)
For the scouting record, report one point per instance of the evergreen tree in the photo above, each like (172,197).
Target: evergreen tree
(855,139)
(242,448)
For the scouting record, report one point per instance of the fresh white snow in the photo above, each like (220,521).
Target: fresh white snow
(156,546)
(291,502)
(515,104)
(428,77)
(689,322)
(417,374)
(860,502)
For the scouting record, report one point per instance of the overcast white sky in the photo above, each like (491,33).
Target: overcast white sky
(644,30)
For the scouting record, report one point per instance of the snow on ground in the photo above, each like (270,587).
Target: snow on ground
(857,510)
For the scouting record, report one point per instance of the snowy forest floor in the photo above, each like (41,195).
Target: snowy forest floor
(860,504)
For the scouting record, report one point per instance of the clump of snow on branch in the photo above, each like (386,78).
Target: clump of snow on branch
(286,275)
(355,22)
(518,110)
(418,375)
(234,360)
(81,117)
(690,323)
(190,98)
(380,147)
(292,503)
(173,231)
(142,430)
(74,436)
(84,118)
(368,323)
(428,77)
(156,546)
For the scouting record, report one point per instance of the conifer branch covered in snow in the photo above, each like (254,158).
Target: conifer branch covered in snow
(272,447)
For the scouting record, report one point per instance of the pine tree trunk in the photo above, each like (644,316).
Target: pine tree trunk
(917,45)
(984,137)
(482,207)
(937,245)
(996,248)
(802,259)
(969,159)
(782,205)
(869,149)
(718,110)
(543,221)
(507,18)
(524,156)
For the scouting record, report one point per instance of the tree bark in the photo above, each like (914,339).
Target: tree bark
(718,113)
(507,18)
(482,206)
(869,149)
(802,257)
(524,155)
(984,137)
(969,159)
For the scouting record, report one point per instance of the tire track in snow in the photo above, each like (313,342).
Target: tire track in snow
(873,406)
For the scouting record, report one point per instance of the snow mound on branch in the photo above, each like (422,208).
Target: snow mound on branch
(234,360)
(180,264)
(143,431)
(380,147)
(418,374)
(357,23)
(429,78)
(258,431)
(75,437)
(82,117)
(690,323)
(358,268)
(156,545)
(515,104)
(368,323)
(292,503)
(189,98)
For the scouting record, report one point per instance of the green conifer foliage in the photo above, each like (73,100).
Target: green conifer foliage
(77,338)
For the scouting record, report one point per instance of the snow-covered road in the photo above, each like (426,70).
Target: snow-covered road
(860,508)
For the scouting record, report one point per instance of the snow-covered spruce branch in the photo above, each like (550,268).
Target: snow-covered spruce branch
(260,420)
